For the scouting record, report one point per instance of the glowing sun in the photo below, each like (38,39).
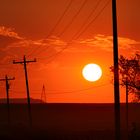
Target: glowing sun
(92,72)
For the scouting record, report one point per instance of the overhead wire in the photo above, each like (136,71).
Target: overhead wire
(73,18)
(88,17)
(85,21)
(76,36)
(63,92)
(70,22)
(57,23)
(60,19)
(79,90)
(90,23)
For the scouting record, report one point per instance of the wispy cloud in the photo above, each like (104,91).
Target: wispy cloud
(8,36)
(56,41)
(53,41)
(9,32)
(11,39)
(13,45)
(105,42)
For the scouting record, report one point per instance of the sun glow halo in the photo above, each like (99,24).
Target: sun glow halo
(92,72)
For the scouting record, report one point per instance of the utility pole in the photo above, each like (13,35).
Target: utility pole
(27,85)
(6,79)
(116,72)
(127,91)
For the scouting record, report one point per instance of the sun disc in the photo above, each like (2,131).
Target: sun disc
(92,72)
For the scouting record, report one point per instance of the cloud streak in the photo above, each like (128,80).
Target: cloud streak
(106,42)
(54,41)
(10,39)
(9,32)
(13,45)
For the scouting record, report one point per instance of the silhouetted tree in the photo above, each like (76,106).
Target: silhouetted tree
(129,70)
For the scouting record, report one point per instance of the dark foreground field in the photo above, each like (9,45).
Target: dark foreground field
(67,122)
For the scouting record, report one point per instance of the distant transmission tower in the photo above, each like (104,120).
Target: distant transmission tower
(43,94)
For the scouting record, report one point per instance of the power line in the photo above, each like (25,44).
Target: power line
(86,27)
(64,92)
(79,90)
(74,37)
(40,51)
(80,28)
(60,19)
(71,21)
(89,16)
(73,18)
(90,23)
(57,23)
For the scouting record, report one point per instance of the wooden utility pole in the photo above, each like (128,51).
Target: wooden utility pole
(127,91)
(27,85)
(6,79)
(116,72)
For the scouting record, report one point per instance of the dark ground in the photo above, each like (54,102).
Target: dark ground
(67,122)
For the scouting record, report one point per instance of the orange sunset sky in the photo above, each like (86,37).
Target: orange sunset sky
(64,35)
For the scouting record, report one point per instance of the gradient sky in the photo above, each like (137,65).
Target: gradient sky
(64,36)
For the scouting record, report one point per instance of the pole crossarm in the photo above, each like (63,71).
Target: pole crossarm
(13,78)
(6,79)
(24,61)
